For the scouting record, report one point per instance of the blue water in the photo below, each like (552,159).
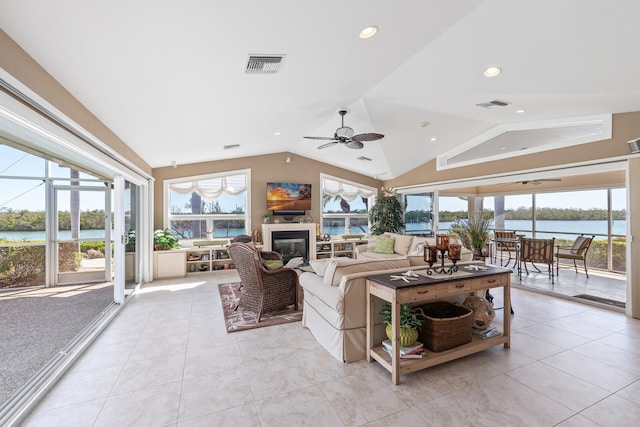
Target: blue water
(556,228)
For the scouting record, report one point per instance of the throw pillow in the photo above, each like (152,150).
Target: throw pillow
(384,245)
(319,266)
(418,250)
(273,264)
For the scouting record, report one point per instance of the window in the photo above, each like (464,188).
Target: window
(345,206)
(418,214)
(209,206)
(449,210)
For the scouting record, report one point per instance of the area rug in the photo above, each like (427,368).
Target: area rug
(601,300)
(240,320)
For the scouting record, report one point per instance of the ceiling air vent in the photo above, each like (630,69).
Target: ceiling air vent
(365,159)
(493,104)
(263,64)
(231,147)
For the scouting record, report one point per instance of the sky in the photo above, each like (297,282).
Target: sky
(29,194)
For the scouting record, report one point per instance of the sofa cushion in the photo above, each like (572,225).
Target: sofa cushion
(375,256)
(384,245)
(319,266)
(338,268)
(402,243)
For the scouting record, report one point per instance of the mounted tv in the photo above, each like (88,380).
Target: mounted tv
(284,198)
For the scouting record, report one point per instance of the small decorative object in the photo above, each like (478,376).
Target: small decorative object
(450,251)
(482,311)
(204,257)
(409,323)
(266,218)
(256,236)
(308,218)
(326,237)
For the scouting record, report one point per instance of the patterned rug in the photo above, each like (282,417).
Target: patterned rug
(240,320)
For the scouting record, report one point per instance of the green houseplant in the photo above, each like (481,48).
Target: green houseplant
(474,233)
(164,240)
(387,214)
(409,323)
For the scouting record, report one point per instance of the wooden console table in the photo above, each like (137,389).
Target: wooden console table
(428,288)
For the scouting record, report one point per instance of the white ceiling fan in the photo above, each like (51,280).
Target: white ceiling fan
(538,181)
(346,135)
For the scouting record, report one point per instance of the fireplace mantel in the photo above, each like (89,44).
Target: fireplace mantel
(267,229)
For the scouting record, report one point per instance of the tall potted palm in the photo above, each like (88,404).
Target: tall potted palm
(386,215)
(474,233)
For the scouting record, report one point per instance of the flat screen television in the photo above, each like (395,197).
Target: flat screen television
(288,197)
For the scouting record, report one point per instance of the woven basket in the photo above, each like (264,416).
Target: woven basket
(445,325)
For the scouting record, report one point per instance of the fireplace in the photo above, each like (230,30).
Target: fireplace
(291,244)
(290,239)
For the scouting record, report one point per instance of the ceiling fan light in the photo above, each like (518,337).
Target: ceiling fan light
(492,71)
(368,32)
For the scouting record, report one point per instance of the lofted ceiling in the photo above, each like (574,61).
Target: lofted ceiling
(169,77)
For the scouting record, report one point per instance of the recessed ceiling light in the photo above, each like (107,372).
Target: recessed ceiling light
(368,32)
(520,111)
(492,71)
(277,133)
(503,148)
(434,139)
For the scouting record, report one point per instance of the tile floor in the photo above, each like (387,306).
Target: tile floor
(167,360)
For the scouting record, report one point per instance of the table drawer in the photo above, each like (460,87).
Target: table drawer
(454,287)
(490,282)
(422,293)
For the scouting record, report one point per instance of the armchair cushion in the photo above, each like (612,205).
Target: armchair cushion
(273,264)
(577,245)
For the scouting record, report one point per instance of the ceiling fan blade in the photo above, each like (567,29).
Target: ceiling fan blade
(363,137)
(356,145)
(322,138)
(328,144)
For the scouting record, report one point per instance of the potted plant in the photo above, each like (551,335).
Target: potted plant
(164,240)
(130,241)
(409,323)
(474,233)
(266,218)
(386,215)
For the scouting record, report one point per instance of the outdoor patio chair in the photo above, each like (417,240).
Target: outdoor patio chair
(263,290)
(506,241)
(536,251)
(575,252)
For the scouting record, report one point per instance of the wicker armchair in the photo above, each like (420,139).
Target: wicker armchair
(536,250)
(263,290)
(577,251)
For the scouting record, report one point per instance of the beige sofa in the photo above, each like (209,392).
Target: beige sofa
(335,303)
(406,246)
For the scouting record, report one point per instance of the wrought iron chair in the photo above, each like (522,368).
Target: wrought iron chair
(263,290)
(536,251)
(506,241)
(577,251)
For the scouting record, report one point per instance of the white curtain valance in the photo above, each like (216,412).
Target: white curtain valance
(212,188)
(348,192)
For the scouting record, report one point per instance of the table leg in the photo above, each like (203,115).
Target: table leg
(369,322)
(395,341)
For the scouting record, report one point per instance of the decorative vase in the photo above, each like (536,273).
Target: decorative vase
(408,336)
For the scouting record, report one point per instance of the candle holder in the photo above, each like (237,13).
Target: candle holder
(436,254)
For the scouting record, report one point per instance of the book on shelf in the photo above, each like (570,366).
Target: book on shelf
(404,356)
(489,332)
(414,349)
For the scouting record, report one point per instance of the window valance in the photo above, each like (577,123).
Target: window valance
(212,188)
(348,192)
